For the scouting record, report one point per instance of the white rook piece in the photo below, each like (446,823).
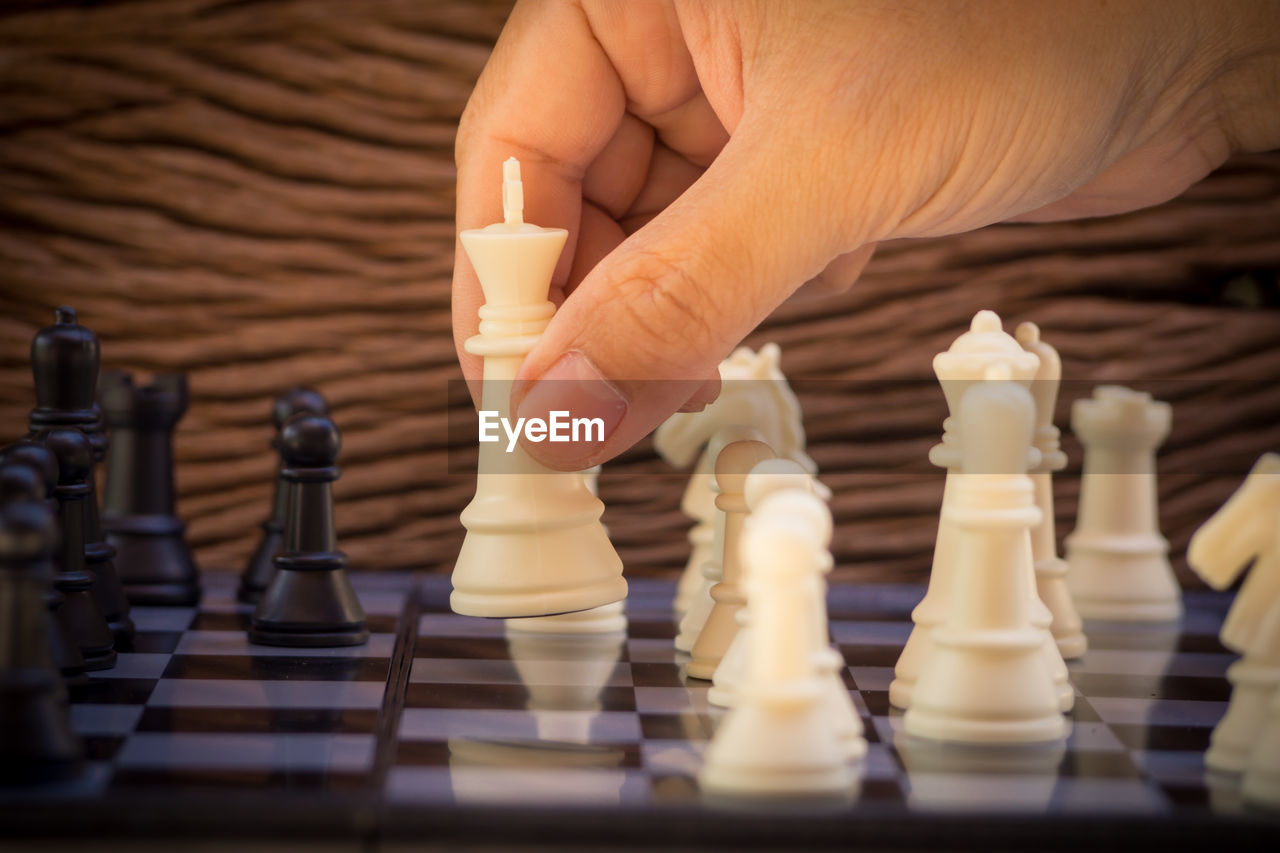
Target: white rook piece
(1119,562)
(732,466)
(778,740)
(986,679)
(534,543)
(1051,570)
(1247,529)
(957,369)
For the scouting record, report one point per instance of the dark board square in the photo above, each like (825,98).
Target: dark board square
(259,720)
(1164,738)
(865,654)
(101,747)
(656,675)
(113,691)
(652,629)
(877,702)
(153,642)
(277,668)
(422,753)
(466,648)
(1155,686)
(674,727)
(1111,765)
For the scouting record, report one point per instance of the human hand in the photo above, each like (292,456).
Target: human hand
(709,157)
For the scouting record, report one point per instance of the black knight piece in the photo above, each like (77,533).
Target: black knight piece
(138,508)
(79,612)
(310,601)
(36,740)
(260,570)
(42,469)
(64,363)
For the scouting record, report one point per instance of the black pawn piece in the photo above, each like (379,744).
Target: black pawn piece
(310,601)
(43,465)
(64,363)
(36,740)
(260,570)
(79,612)
(138,509)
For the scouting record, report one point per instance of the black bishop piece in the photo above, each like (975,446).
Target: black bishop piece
(79,613)
(260,570)
(138,507)
(64,363)
(36,740)
(310,601)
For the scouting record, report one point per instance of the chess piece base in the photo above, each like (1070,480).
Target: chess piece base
(267,635)
(153,561)
(309,604)
(1128,584)
(607,619)
(1235,737)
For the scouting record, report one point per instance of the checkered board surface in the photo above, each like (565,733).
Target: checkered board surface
(441,715)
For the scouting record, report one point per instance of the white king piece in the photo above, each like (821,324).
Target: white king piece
(534,545)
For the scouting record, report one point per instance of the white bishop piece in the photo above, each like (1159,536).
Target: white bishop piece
(958,369)
(534,543)
(1051,570)
(778,739)
(1119,562)
(1245,529)
(985,680)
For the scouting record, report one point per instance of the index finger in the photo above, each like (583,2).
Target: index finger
(550,97)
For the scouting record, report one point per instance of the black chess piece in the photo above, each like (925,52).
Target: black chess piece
(260,570)
(310,601)
(138,508)
(79,611)
(37,459)
(64,363)
(36,740)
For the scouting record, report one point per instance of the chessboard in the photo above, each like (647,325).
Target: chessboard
(451,730)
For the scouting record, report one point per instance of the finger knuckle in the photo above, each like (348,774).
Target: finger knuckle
(667,308)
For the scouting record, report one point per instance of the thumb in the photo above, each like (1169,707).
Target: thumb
(644,329)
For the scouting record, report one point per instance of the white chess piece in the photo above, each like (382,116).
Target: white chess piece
(767,477)
(986,680)
(1119,562)
(605,619)
(534,543)
(778,740)
(984,344)
(693,620)
(1246,529)
(1051,570)
(732,466)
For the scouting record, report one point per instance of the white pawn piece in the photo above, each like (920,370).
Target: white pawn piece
(1118,561)
(1245,530)
(732,466)
(1051,570)
(777,741)
(957,369)
(699,503)
(767,477)
(534,544)
(700,607)
(986,680)
(605,619)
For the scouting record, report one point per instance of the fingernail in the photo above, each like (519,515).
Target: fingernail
(574,393)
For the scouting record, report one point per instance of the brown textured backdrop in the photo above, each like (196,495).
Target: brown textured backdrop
(261,194)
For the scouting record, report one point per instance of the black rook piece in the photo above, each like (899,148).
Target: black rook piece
(310,601)
(138,513)
(79,612)
(36,741)
(64,364)
(260,570)
(43,466)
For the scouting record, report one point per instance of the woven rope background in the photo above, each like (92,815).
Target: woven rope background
(260,194)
